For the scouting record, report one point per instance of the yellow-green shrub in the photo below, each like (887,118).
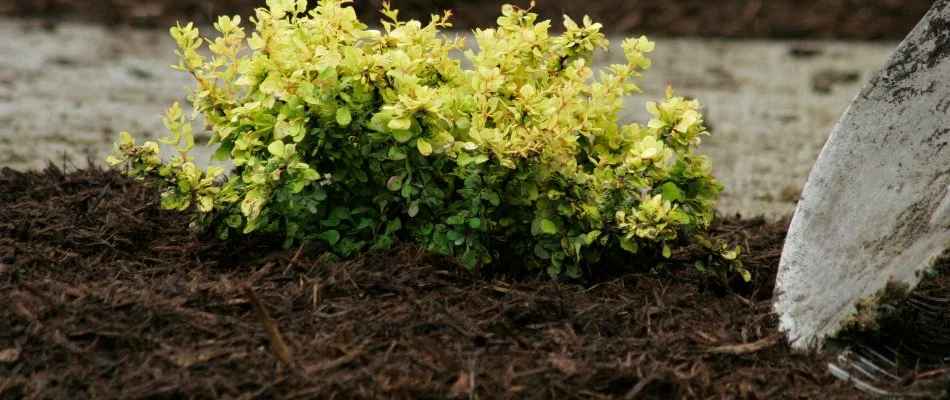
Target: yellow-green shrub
(362,138)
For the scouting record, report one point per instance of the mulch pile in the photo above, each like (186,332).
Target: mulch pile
(838,19)
(102,294)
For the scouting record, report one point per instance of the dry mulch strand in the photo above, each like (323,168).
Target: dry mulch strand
(102,294)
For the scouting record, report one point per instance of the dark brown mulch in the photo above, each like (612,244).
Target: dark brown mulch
(104,295)
(841,19)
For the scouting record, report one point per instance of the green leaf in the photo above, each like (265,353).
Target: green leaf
(234,220)
(730,254)
(331,236)
(223,152)
(330,222)
(746,275)
(296,186)
(591,236)
(475,223)
(277,148)
(291,129)
(666,251)
(464,159)
(700,266)
(469,259)
(703,241)
(394,183)
(366,223)
(548,226)
(272,84)
(402,136)
(396,153)
(541,252)
(628,245)
(455,235)
(557,259)
(173,201)
(671,192)
(320,195)
(343,116)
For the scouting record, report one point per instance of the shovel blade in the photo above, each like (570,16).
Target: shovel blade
(876,207)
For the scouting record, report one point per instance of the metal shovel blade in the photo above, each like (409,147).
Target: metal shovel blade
(876,207)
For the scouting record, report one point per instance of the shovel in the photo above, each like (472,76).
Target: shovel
(874,215)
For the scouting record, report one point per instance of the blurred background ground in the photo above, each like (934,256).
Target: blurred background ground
(773,76)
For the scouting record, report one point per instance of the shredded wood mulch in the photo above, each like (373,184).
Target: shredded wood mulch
(824,19)
(104,295)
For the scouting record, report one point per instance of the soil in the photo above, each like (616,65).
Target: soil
(102,294)
(826,19)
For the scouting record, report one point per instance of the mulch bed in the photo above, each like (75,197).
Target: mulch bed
(104,295)
(839,19)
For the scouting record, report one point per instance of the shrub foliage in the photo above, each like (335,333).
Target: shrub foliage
(362,138)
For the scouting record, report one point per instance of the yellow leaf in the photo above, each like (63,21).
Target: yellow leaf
(399,124)
(205,204)
(425,148)
(126,138)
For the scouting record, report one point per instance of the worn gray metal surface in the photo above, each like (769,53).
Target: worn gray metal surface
(876,207)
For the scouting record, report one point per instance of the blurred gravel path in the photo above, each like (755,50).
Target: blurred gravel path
(67,90)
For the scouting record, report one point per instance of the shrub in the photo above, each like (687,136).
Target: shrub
(362,138)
